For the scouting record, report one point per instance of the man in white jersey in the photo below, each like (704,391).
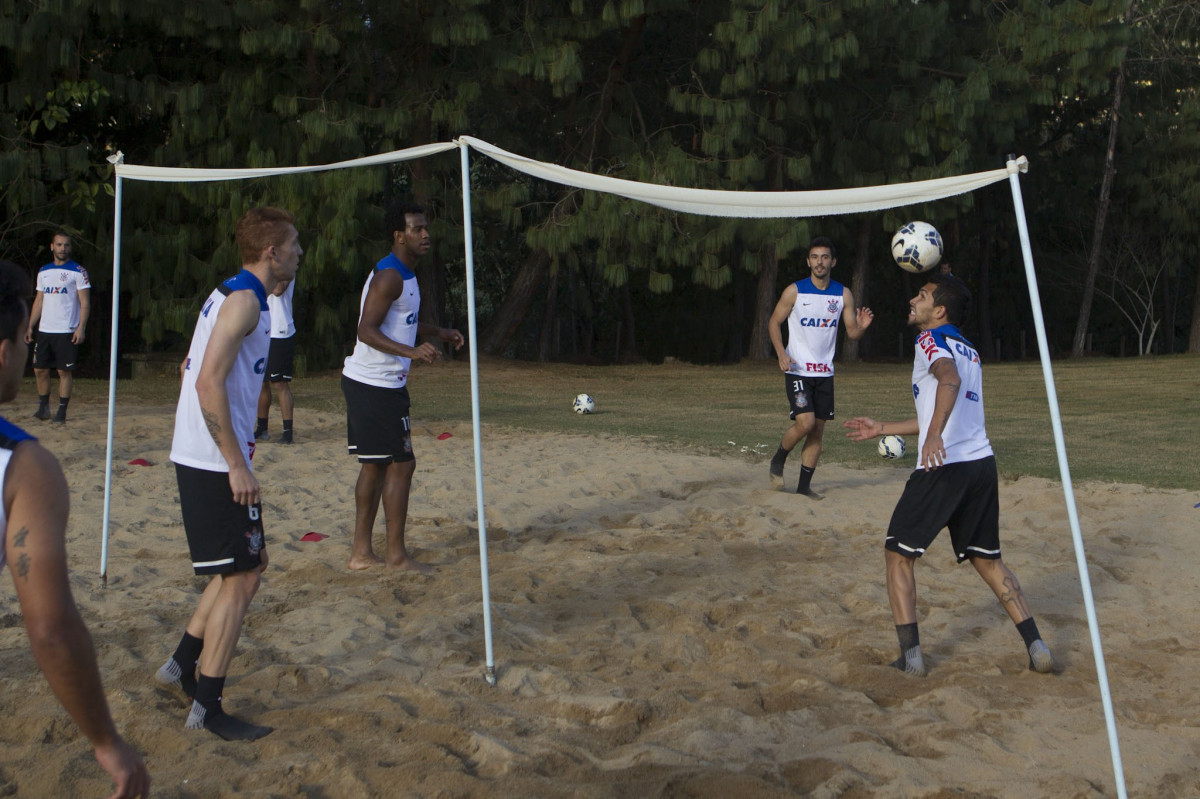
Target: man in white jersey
(955,483)
(813,309)
(59,315)
(33,523)
(212,450)
(374,382)
(280,364)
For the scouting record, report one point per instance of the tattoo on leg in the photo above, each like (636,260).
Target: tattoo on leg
(19,539)
(1013,594)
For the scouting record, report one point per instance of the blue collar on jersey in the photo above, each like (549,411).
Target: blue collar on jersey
(11,435)
(806,286)
(392,262)
(950,331)
(248,280)
(70,266)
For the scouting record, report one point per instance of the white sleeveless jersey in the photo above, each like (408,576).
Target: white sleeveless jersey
(965,437)
(193,445)
(369,365)
(10,436)
(59,287)
(282,324)
(813,328)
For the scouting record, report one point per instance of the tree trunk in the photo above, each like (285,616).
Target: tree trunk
(548,343)
(765,298)
(1089,283)
(520,295)
(766,294)
(858,284)
(627,352)
(431,277)
(1194,336)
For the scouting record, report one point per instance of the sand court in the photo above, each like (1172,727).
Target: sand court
(666,624)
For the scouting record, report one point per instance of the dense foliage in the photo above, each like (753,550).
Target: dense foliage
(736,94)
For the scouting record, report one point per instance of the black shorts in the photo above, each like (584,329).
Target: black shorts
(281,359)
(223,536)
(377,425)
(809,395)
(55,351)
(965,497)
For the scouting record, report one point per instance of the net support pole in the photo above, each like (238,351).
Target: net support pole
(112,381)
(1065,472)
(469,248)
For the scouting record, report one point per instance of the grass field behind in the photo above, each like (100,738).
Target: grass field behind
(1132,420)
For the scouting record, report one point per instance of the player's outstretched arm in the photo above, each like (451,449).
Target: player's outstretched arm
(864,427)
(36,500)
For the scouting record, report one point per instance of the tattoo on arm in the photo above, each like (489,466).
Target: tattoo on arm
(20,568)
(214,426)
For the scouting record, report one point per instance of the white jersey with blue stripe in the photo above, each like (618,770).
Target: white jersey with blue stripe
(10,436)
(965,437)
(193,444)
(367,364)
(813,328)
(59,285)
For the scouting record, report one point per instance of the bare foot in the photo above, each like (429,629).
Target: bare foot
(360,562)
(408,564)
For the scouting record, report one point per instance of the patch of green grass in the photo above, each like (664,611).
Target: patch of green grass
(1134,420)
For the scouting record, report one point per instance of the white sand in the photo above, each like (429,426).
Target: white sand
(665,625)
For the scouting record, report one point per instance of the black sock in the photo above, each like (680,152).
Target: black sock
(806,475)
(188,652)
(1029,631)
(43,401)
(778,461)
(261,427)
(207,713)
(910,660)
(208,693)
(908,635)
(62,403)
(287,425)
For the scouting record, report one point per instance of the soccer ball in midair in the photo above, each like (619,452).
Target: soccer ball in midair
(917,247)
(891,447)
(583,404)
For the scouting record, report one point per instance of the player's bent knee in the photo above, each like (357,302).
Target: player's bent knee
(245,584)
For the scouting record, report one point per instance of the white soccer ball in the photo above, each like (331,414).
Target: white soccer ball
(583,404)
(917,247)
(891,447)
